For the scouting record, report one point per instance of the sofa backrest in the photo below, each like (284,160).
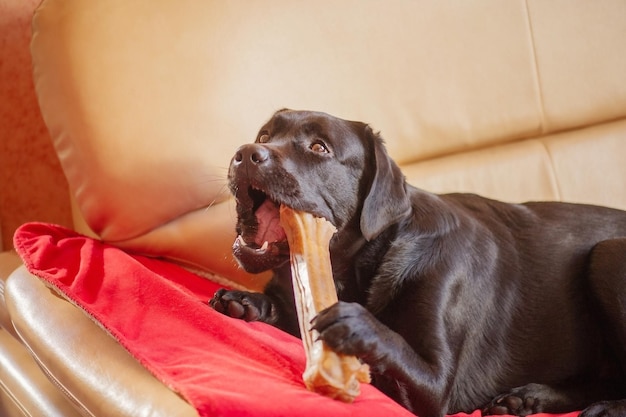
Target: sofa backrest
(146,100)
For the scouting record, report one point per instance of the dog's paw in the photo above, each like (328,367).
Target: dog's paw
(350,329)
(248,306)
(605,409)
(511,404)
(522,401)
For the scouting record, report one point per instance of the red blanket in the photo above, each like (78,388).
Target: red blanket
(159,312)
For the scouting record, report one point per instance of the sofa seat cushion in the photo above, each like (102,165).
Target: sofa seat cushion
(159,313)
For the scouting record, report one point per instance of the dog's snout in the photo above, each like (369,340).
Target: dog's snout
(255,153)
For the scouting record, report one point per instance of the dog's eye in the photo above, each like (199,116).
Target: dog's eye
(264,138)
(318,147)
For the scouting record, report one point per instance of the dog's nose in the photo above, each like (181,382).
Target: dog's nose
(255,153)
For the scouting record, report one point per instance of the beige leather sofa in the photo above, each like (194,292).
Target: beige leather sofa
(146,101)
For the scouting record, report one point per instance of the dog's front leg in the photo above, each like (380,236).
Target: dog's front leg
(350,329)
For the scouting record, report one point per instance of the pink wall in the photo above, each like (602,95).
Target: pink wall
(32,185)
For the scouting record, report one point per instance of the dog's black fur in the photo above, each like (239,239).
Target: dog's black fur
(455,301)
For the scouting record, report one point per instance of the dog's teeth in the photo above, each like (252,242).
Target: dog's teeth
(241,241)
(264,247)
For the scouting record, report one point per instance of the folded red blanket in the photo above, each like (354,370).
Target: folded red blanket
(158,311)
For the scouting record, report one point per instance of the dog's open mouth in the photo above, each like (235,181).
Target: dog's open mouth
(262,242)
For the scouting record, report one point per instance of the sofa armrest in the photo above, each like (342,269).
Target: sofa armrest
(9,262)
(24,388)
(84,361)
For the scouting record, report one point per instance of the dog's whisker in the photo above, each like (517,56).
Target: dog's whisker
(223,190)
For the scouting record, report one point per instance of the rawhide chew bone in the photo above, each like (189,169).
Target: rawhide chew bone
(327,372)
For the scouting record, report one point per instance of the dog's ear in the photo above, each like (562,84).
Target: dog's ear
(387,200)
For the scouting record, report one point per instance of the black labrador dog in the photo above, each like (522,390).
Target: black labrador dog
(456,302)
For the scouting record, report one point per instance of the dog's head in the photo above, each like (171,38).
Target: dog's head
(317,163)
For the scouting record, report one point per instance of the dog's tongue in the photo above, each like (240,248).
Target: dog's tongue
(268,218)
